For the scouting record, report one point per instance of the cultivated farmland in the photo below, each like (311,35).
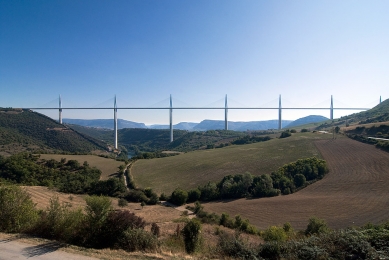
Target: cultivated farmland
(354,193)
(196,168)
(108,167)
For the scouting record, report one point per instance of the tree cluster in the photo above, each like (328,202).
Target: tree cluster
(286,180)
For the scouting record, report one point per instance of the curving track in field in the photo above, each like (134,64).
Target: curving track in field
(355,192)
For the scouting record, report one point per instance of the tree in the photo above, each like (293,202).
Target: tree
(179,197)
(191,233)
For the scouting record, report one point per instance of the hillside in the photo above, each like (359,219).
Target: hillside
(306,120)
(196,168)
(22,130)
(352,194)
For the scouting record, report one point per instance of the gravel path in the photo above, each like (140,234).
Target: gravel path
(10,248)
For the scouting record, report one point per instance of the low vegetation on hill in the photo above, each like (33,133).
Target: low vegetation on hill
(362,134)
(24,130)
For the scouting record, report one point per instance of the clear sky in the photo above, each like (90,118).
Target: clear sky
(197,51)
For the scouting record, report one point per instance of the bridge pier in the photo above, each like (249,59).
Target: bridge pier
(171,119)
(225,114)
(279,114)
(332,109)
(115,123)
(60,110)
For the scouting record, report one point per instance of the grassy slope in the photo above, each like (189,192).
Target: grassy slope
(108,167)
(197,168)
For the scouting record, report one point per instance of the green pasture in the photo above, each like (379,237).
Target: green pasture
(196,168)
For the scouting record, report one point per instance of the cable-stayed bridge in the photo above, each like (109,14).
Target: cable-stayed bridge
(331,109)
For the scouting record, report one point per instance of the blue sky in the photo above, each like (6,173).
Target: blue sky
(197,51)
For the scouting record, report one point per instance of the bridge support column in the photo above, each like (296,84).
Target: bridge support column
(225,114)
(380,100)
(115,124)
(60,110)
(332,109)
(171,118)
(279,114)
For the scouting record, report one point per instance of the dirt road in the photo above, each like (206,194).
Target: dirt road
(12,248)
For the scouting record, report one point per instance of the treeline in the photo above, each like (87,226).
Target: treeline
(361,133)
(99,227)
(286,180)
(67,176)
(247,139)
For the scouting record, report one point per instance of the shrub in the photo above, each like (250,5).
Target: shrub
(316,226)
(17,211)
(122,202)
(285,134)
(155,230)
(274,233)
(304,130)
(226,221)
(299,180)
(293,131)
(138,240)
(179,196)
(234,246)
(59,222)
(191,233)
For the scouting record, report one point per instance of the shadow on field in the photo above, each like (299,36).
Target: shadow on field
(38,250)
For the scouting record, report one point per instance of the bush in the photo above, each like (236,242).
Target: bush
(191,233)
(194,195)
(138,240)
(316,226)
(274,233)
(293,131)
(179,197)
(235,247)
(122,202)
(304,130)
(17,211)
(155,230)
(285,134)
(59,222)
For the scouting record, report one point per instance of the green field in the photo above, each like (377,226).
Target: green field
(196,168)
(108,167)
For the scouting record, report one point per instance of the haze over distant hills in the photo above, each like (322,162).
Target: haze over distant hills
(202,126)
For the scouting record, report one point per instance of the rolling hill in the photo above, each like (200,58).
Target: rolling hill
(306,120)
(24,130)
(196,168)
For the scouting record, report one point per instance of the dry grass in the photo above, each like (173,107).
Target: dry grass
(108,167)
(196,168)
(354,193)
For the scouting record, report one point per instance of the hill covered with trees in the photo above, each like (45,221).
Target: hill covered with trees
(25,130)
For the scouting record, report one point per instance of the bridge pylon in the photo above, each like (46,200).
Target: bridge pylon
(171,118)
(332,109)
(115,123)
(60,110)
(279,114)
(225,114)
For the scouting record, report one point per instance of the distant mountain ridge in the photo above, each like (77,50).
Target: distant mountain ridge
(306,120)
(204,125)
(103,123)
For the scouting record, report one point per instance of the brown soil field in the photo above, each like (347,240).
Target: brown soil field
(108,167)
(353,193)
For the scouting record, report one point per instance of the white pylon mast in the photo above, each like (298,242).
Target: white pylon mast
(171,118)
(279,114)
(60,110)
(225,114)
(332,109)
(115,127)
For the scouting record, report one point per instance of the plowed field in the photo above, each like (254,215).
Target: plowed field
(355,192)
